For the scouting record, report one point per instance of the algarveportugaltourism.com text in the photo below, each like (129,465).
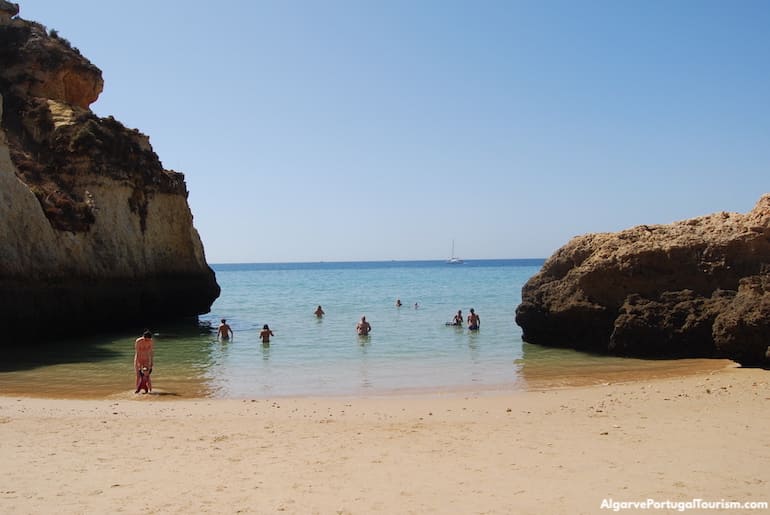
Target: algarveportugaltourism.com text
(693,504)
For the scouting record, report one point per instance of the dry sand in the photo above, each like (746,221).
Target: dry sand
(705,436)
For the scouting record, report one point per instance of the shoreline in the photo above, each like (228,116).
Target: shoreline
(562,450)
(530,377)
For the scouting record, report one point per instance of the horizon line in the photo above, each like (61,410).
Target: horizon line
(440,260)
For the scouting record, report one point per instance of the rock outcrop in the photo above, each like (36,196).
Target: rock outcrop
(695,288)
(93,231)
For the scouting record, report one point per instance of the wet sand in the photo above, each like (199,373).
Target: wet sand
(565,450)
(550,368)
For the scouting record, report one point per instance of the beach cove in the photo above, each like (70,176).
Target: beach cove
(384,131)
(558,450)
(410,351)
(417,418)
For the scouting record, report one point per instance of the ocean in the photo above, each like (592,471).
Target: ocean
(409,350)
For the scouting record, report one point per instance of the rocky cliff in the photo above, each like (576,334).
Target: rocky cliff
(698,287)
(93,231)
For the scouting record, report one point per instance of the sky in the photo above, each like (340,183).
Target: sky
(349,130)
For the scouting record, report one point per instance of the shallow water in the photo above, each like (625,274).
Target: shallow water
(409,350)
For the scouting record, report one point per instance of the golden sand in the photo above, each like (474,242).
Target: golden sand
(567,450)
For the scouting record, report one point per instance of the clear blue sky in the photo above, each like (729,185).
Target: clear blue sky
(356,130)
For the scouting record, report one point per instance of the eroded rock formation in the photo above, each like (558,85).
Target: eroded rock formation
(94,232)
(698,287)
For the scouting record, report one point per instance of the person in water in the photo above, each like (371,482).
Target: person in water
(265,334)
(398,303)
(144,356)
(363,327)
(458,319)
(319,312)
(224,332)
(474,321)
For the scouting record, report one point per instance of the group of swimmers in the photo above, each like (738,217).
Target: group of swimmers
(225,332)
(474,320)
(144,355)
(363,327)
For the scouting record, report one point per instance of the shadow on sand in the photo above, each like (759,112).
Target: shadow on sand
(29,355)
(24,354)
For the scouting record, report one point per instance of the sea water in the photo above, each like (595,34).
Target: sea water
(410,348)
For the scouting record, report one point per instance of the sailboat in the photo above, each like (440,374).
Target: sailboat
(454,260)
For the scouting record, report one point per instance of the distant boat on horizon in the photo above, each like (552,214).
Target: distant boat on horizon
(454,260)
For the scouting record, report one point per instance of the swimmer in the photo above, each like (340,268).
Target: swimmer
(319,312)
(265,334)
(474,321)
(224,332)
(363,327)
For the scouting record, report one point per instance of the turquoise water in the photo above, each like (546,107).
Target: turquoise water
(410,349)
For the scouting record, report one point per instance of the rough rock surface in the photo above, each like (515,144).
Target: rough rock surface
(8,10)
(699,287)
(93,231)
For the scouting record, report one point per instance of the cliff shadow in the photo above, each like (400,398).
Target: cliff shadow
(22,354)
(26,354)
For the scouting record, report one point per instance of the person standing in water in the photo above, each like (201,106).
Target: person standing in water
(319,312)
(363,327)
(474,321)
(224,332)
(458,319)
(144,357)
(265,334)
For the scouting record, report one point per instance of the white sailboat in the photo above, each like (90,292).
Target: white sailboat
(454,260)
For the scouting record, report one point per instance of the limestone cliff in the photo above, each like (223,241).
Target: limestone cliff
(93,231)
(699,287)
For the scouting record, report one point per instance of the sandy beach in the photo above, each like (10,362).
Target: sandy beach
(566,450)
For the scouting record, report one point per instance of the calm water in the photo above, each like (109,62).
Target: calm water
(410,348)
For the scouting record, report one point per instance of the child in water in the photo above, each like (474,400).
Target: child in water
(144,380)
